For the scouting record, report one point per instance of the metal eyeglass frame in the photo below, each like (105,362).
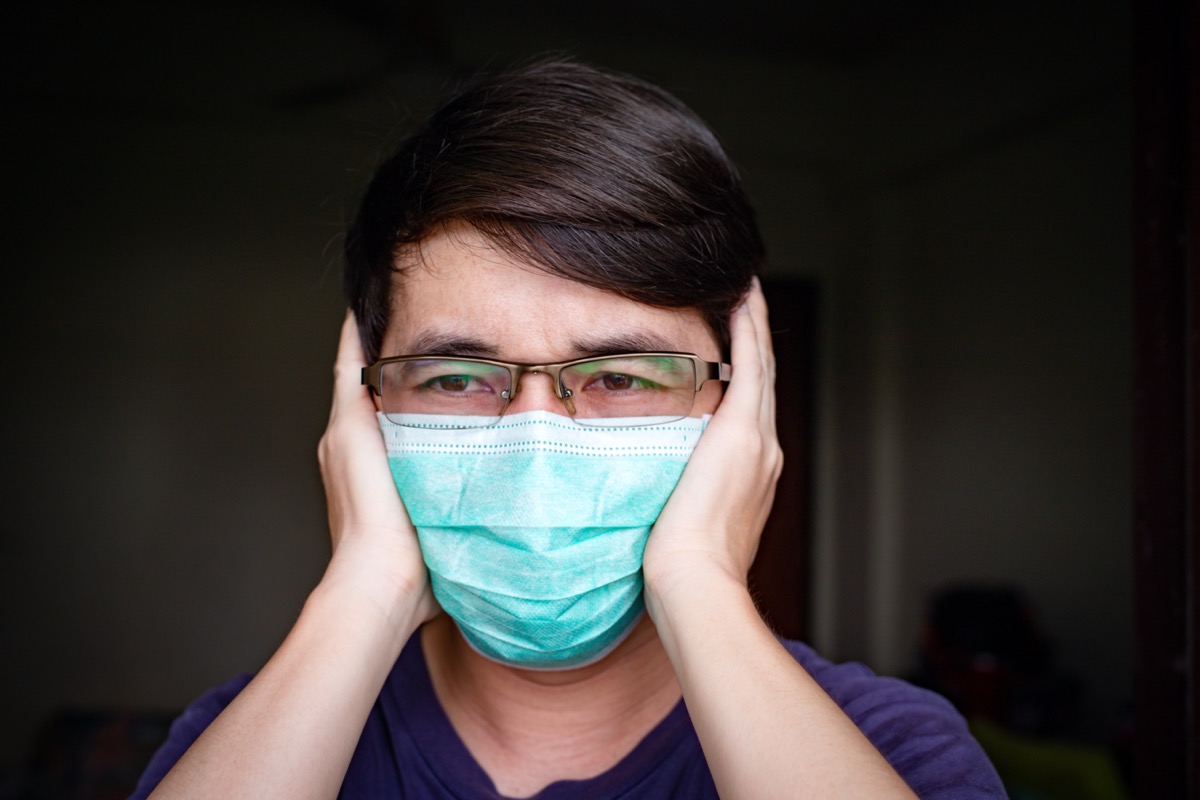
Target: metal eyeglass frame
(704,372)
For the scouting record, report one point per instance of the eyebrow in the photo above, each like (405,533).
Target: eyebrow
(441,343)
(447,343)
(620,343)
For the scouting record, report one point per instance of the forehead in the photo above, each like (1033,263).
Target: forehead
(459,294)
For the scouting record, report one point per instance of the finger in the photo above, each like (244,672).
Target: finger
(745,386)
(752,351)
(348,365)
(349,344)
(756,302)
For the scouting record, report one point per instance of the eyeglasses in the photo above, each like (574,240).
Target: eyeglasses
(626,390)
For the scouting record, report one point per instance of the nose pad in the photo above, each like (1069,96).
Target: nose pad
(541,397)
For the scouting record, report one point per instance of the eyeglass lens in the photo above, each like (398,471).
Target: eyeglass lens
(600,390)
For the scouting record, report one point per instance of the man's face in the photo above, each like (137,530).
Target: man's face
(465,297)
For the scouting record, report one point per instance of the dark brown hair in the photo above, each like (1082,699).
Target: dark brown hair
(591,175)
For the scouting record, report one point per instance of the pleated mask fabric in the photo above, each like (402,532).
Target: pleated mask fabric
(533,528)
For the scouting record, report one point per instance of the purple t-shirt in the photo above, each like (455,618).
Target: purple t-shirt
(408,748)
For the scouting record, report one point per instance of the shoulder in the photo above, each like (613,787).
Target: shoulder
(186,729)
(919,732)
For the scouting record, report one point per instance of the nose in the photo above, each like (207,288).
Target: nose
(535,392)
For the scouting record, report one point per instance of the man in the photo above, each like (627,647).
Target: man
(555,314)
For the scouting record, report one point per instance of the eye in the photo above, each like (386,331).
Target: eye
(451,383)
(620,382)
(460,383)
(631,374)
(450,377)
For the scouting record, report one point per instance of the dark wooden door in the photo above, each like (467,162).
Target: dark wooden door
(1166,436)
(779,578)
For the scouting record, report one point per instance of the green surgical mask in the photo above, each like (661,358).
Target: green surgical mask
(533,528)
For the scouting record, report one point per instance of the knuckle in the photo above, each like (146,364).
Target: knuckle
(764,449)
(772,454)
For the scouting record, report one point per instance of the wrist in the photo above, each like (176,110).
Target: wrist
(690,584)
(358,588)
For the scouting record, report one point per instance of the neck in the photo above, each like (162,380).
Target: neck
(528,729)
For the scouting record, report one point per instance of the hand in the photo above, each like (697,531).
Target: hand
(375,547)
(714,518)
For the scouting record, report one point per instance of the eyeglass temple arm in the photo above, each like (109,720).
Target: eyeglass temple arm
(370,378)
(714,371)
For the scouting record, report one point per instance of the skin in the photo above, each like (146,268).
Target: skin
(292,731)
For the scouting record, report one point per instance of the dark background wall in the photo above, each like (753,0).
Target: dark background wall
(956,180)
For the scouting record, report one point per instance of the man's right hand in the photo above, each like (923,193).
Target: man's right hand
(375,547)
